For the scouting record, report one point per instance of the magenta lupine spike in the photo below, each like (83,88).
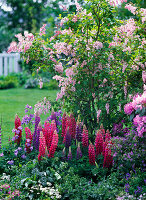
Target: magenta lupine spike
(108,158)
(63,124)
(37,120)
(69,157)
(99,143)
(79,132)
(39,129)
(72,126)
(53,117)
(18,132)
(53,128)
(91,152)
(53,146)
(79,152)
(107,136)
(47,132)
(67,126)
(68,139)
(85,142)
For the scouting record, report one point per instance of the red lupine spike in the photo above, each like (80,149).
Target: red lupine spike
(66,125)
(72,126)
(91,152)
(42,147)
(53,128)
(104,146)
(107,136)
(99,143)
(53,146)
(28,140)
(63,124)
(85,142)
(102,131)
(18,136)
(47,133)
(108,158)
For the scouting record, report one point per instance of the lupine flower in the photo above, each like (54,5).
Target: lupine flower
(18,132)
(63,124)
(67,124)
(53,146)
(28,140)
(85,137)
(39,129)
(79,152)
(107,136)
(79,132)
(69,157)
(99,143)
(72,126)
(108,158)
(53,128)
(37,120)
(1,154)
(42,146)
(67,139)
(91,152)
(47,133)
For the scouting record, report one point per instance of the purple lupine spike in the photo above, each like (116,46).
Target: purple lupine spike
(68,139)
(63,154)
(79,153)
(79,132)
(69,157)
(37,120)
(39,129)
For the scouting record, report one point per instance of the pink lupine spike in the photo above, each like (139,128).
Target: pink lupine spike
(72,126)
(28,140)
(18,132)
(85,142)
(99,143)
(54,144)
(91,152)
(107,136)
(53,128)
(42,147)
(67,126)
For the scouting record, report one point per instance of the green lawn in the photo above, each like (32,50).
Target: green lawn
(13,101)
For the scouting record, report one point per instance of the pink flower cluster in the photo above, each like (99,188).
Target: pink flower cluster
(131,8)
(24,43)
(43,29)
(139,101)
(42,107)
(116,2)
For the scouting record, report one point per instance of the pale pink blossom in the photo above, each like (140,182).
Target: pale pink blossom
(41,83)
(59,67)
(12,48)
(144,76)
(97,45)
(131,8)
(107,108)
(42,30)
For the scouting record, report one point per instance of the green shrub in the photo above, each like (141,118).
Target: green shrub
(51,85)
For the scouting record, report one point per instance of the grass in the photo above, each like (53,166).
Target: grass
(13,101)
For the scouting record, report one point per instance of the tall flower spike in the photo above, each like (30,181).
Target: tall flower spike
(37,120)
(53,146)
(18,132)
(53,128)
(85,137)
(63,124)
(79,152)
(67,124)
(42,147)
(79,132)
(91,152)
(47,132)
(108,159)
(39,129)
(107,136)
(99,143)
(68,139)
(69,157)
(72,126)
(28,140)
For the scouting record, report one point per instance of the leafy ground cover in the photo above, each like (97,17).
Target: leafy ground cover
(13,101)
